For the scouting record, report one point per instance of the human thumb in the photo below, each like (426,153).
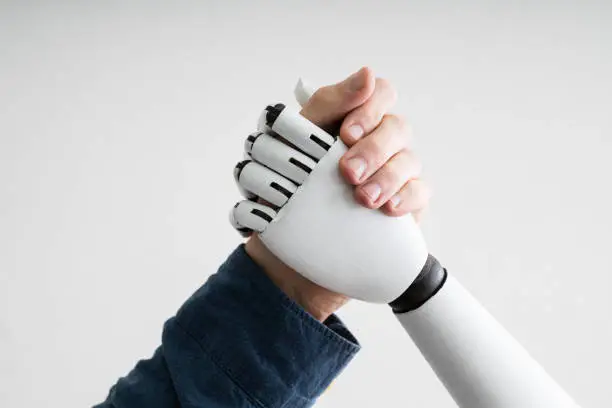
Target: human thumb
(330,104)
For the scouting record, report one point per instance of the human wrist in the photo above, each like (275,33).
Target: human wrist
(314,299)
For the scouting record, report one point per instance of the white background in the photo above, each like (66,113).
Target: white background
(120,125)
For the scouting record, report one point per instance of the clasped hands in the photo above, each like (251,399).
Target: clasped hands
(379,165)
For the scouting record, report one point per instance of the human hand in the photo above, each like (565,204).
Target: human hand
(379,163)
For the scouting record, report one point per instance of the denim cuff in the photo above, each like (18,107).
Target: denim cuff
(268,345)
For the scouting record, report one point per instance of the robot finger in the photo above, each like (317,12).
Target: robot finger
(261,123)
(264,183)
(278,156)
(248,216)
(298,130)
(249,195)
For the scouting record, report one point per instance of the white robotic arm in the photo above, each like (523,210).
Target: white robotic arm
(312,223)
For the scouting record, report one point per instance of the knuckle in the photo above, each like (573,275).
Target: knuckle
(399,170)
(371,116)
(392,120)
(377,150)
(393,174)
(400,126)
(402,123)
(385,86)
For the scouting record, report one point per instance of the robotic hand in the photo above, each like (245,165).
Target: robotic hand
(308,199)
(309,210)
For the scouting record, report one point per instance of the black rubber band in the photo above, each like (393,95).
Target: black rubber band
(429,281)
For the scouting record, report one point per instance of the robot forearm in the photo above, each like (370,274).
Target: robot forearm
(477,360)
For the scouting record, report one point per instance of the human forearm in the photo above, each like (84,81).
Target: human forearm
(238,341)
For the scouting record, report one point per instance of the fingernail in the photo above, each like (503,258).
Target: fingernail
(372,190)
(357,165)
(356,81)
(355,131)
(395,200)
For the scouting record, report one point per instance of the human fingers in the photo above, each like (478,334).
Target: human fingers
(366,117)
(389,179)
(370,153)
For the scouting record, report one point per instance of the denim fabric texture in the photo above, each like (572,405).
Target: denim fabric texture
(238,341)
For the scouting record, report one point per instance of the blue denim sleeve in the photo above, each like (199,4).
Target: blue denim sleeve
(238,341)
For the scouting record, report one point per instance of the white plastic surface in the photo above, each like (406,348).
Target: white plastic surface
(299,131)
(324,234)
(277,156)
(258,179)
(477,360)
(241,215)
